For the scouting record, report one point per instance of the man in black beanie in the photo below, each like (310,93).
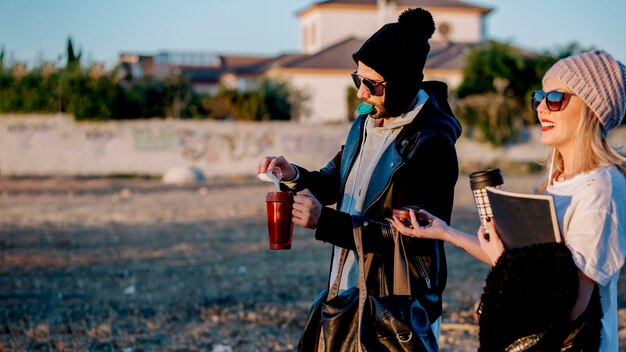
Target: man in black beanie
(399,152)
(396,54)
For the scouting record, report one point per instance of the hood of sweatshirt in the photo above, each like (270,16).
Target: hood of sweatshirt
(436,112)
(431,110)
(420,99)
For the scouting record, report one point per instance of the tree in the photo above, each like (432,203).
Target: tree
(490,117)
(73,60)
(352,101)
(497,81)
(93,93)
(275,99)
(281,100)
(1,60)
(485,64)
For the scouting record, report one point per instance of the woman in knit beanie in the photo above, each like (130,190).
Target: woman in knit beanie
(597,81)
(582,100)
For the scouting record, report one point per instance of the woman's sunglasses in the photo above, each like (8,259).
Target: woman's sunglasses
(555,101)
(371,86)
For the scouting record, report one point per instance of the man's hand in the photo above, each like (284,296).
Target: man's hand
(306,209)
(270,162)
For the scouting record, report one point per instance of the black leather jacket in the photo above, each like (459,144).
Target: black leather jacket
(419,168)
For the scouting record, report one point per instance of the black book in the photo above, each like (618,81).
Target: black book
(524,219)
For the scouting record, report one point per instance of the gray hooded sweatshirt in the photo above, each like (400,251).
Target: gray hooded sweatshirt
(375,142)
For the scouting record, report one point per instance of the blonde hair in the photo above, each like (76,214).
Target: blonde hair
(591,151)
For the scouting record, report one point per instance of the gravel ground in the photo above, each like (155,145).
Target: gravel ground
(132,264)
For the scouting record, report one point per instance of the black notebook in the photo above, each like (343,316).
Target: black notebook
(524,219)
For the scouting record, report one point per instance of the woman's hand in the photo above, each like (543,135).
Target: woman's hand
(490,243)
(436,228)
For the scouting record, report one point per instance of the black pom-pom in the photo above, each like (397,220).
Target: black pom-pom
(420,20)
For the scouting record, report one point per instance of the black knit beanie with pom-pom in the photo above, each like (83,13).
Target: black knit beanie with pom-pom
(398,52)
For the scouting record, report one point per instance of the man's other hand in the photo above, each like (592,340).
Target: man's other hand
(306,209)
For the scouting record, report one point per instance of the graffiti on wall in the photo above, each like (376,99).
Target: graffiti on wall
(27,130)
(201,145)
(98,138)
(31,128)
(149,140)
(310,143)
(316,145)
(214,147)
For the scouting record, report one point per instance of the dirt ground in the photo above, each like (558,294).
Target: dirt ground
(133,265)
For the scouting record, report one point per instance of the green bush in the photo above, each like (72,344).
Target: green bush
(493,99)
(353,102)
(491,117)
(274,99)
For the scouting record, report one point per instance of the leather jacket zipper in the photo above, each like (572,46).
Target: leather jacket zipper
(383,278)
(422,268)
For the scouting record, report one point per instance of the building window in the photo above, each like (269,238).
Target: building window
(445,30)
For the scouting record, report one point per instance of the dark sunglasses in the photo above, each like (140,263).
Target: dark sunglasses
(555,101)
(371,86)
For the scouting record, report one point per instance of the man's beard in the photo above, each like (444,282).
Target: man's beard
(380,113)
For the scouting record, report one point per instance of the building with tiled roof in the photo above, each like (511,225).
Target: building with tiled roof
(206,71)
(331,31)
(326,22)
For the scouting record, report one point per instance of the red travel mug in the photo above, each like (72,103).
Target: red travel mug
(279,219)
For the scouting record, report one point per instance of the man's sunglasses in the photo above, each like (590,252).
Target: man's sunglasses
(555,101)
(371,86)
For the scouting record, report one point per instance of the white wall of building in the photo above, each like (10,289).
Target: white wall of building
(452,78)
(340,24)
(333,25)
(329,25)
(328,95)
(465,27)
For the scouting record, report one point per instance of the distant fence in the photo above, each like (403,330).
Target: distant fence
(56,145)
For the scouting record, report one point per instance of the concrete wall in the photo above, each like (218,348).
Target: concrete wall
(56,145)
(49,145)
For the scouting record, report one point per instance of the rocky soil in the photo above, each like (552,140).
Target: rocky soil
(132,264)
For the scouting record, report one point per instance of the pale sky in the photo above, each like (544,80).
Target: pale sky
(35,30)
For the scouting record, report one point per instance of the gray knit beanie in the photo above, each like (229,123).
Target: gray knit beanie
(599,80)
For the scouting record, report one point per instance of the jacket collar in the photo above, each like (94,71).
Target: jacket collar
(392,158)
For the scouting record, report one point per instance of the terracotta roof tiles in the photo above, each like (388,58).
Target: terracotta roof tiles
(339,56)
